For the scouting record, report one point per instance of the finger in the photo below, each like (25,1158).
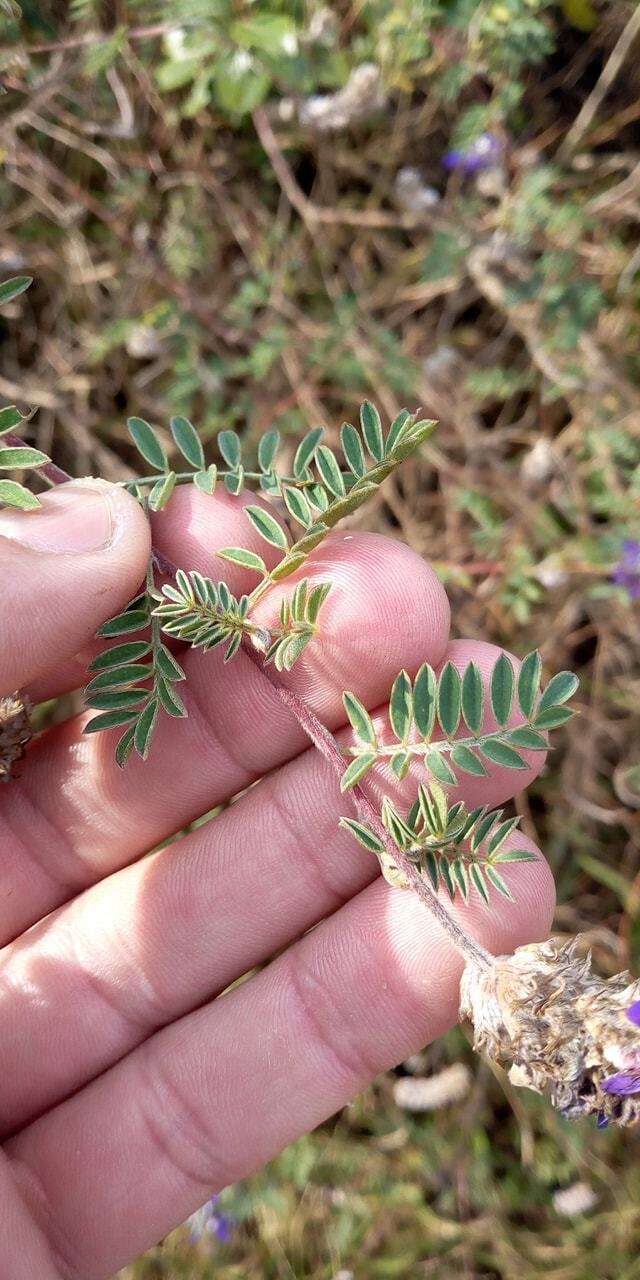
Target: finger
(23,1246)
(80,817)
(215,1095)
(65,568)
(150,943)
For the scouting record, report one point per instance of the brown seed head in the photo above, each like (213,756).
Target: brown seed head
(563,1029)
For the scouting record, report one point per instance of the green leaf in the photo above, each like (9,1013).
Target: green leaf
(464,758)
(559,689)
(147,443)
(449,699)
(119,653)
(529,682)
(267,450)
(439,768)
(188,441)
(396,431)
(205,481)
(145,727)
(161,491)
(125,746)
(528,738)
(12,288)
(473,698)
(400,763)
(15,495)
(552,717)
(115,677)
(230,448)
(502,689)
(305,452)
(483,826)
(356,770)
(167,665)
(497,881)
(327,464)
(14,459)
(424,701)
(372,430)
(267,527)
(297,506)
(501,753)
(500,835)
(109,720)
(363,835)
(352,449)
(133,620)
(316,600)
(515,855)
(360,719)
(248,559)
(401,706)
(477,877)
(10,417)
(170,699)
(118,699)
(234,482)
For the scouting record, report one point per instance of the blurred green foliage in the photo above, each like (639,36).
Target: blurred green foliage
(239,212)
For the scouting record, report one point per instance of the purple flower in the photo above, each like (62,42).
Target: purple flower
(210,1220)
(624,1083)
(634,1013)
(627,571)
(484,152)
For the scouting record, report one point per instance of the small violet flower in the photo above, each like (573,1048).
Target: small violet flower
(484,152)
(210,1220)
(626,1083)
(627,571)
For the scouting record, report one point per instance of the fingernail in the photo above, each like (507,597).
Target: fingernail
(76,517)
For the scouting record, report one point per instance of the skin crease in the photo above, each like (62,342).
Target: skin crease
(130,1087)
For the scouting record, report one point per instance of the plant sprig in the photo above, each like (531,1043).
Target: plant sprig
(450,844)
(134,679)
(431,704)
(194,608)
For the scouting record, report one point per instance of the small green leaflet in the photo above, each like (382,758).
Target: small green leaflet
(372,430)
(188,441)
(247,559)
(12,288)
(19,458)
(267,527)
(10,417)
(147,443)
(15,495)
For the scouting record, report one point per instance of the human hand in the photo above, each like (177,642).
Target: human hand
(128,1091)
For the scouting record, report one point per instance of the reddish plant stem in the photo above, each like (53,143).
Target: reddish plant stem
(326,744)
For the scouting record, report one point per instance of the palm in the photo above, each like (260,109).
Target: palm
(129,1092)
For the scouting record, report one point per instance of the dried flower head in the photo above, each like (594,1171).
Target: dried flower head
(15,732)
(567,1033)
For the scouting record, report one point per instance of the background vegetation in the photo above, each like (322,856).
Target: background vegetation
(211,236)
